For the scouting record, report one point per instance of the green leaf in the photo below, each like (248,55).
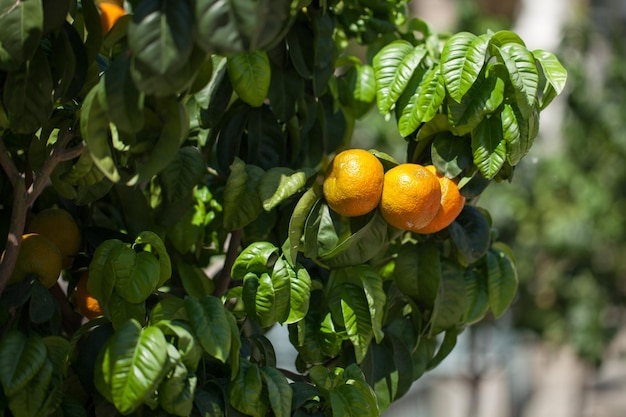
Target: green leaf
(246,391)
(284,279)
(355,397)
(42,304)
(471,234)
(278,184)
(263,301)
(489,146)
(254,259)
(250,75)
(279,391)
(360,246)
(40,397)
(22,26)
(299,217)
(417,272)
(462,59)
(502,281)
(157,248)
(101,279)
(424,103)
(120,311)
(172,134)
(447,344)
(324,51)
(28,94)
(388,369)
(553,71)
(320,235)
(94,126)
(523,75)
(130,366)
(393,68)
(357,89)
(124,104)
(185,342)
(160,35)
(478,300)
(194,280)
(451,302)
(21,358)
(176,392)
(450,154)
(136,285)
(211,324)
(242,204)
(300,295)
(170,308)
(183,173)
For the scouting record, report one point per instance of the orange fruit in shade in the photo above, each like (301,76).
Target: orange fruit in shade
(411,196)
(354,183)
(60,228)
(37,256)
(110,12)
(87,305)
(452,203)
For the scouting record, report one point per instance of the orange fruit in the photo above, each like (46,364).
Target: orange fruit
(354,183)
(452,203)
(109,14)
(86,303)
(411,197)
(61,229)
(38,256)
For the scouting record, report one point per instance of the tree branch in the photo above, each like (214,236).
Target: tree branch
(16,229)
(7,163)
(223,280)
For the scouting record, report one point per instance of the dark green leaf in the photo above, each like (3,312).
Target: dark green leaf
(478,301)
(502,281)
(183,173)
(278,391)
(157,248)
(22,27)
(299,217)
(136,283)
(250,74)
(242,204)
(246,391)
(211,324)
(42,304)
(451,302)
(417,272)
(176,392)
(471,234)
(123,102)
(21,358)
(451,154)
(101,276)
(489,146)
(194,280)
(446,346)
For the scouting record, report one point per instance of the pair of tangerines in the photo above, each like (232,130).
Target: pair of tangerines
(410,196)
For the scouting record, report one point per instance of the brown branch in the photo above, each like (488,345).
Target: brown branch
(223,280)
(16,229)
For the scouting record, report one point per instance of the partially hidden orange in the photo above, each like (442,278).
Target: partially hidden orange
(85,302)
(60,228)
(353,185)
(452,203)
(110,12)
(411,196)
(37,256)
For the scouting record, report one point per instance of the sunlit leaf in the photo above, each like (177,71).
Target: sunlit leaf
(250,75)
(462,59)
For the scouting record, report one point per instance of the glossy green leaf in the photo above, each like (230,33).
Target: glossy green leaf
(292,289)
(218,95)
(451,302)
(169,308)
(21,358)
(22,27)
(94,126)
(210,323)
(502,37)
(462,59)
(123,102)
(388,369)
(502,281)
(254,259)
(121,311)
(445,348)
(194,280)
(172,134)
(471,234)
(320,234)
(523,75)
(160,35)
(393,68)
(300,293)
(481,100)
(266,298)
(136,284)
(101,278)
(424,103)
(250,75)
(183,173)
(519,133)
(242,204)
(361,246)
(299,217)
(130,366)
(478,301)
(353,397)
(176,392)
(185,342)
(357,89)
(489,147)
(450,154)
(40,397)
(279,391)
(245,392)
(418,271)
(555,74)
(278,184)
(27,94)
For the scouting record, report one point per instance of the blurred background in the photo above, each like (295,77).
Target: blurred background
(561,350)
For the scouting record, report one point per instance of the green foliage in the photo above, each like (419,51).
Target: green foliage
(190,143)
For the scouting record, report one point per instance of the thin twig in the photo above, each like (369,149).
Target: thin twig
(223,280)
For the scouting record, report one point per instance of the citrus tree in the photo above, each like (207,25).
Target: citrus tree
(191,144)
